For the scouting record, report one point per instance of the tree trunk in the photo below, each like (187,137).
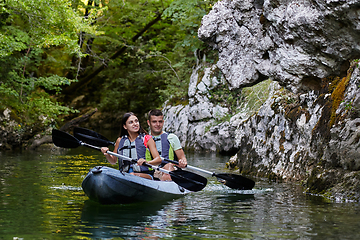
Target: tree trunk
(85,80)
(66,128)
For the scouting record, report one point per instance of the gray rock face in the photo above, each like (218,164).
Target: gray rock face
(296,42)
(310,133)
(311,137)
(7,133)
(195,123)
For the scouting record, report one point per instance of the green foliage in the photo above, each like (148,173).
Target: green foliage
(48,44)
(30,33)
(348,106)
(356,61)
(223,96)
(158,65)
(34,109)
(256,95)
(187,15)
(52,83)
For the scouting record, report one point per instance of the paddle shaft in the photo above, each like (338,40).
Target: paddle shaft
(191,167)
(127,158)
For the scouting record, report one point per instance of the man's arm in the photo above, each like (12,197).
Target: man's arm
(181,156)
(175,144)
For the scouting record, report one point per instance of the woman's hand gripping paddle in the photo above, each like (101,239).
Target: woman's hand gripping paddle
(185,179)
(231,180)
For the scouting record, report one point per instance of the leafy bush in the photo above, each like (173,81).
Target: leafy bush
(37,39)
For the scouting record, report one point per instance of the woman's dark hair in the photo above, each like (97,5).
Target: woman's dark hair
(123,131)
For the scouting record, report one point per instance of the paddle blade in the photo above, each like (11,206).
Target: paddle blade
(92,140)
(188,180)
(64,140)
(235,181)
(91,137)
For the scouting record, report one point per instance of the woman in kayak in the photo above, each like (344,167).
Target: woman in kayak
(135,143)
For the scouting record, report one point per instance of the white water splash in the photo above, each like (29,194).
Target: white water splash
(64,187)
(213,187)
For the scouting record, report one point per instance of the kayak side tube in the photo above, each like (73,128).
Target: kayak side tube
(110,186)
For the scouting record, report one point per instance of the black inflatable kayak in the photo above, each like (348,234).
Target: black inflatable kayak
(110,186)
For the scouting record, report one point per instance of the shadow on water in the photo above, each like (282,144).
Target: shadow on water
(107,221)
(235,197)
(161,219)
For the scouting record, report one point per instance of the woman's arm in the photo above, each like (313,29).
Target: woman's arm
(112,159)
(154,153)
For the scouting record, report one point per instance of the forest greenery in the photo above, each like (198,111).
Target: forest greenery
(29,31)
(50,49)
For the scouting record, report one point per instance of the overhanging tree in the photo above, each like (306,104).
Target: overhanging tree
(147,51)
(48,44)
(36,40)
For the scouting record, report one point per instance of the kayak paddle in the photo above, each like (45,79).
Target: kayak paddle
(92,137)
(231,180)
(185,179)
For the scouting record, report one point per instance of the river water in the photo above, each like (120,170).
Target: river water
(41,198)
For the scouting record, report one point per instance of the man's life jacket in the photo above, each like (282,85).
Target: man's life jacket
(135,150)
(164,148)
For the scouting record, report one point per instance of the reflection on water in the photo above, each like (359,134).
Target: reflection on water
(41,198)
(164,219)
(106,221)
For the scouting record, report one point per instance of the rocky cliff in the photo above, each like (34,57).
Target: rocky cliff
(308,131)
(296,42)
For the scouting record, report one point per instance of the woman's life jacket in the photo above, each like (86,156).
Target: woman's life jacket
(135,150)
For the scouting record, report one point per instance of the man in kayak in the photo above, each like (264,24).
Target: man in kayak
(167,144)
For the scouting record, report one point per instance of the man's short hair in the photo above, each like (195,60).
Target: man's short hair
(155,112)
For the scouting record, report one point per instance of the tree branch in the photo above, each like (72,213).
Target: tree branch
(89,77)
(66,127)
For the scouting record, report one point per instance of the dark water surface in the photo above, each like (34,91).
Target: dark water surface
(41,198)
